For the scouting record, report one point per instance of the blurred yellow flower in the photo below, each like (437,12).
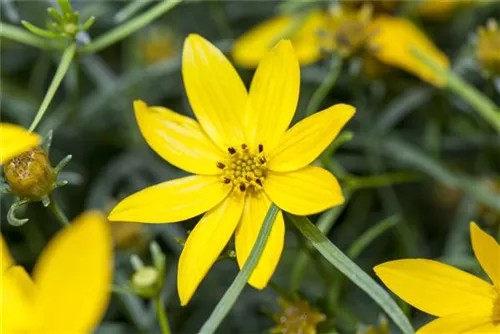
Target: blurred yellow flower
(158,44)
(14,140)
(464,303)
(488,47)
(440,9)
(70,286)
(253,46)
(243,157)
(388,39)
(297,316)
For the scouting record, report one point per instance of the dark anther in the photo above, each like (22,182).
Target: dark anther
(259,182)
(261,148)
(262,160)
(248,178)
(244,146)
(226,180)
(231,150)
(242,187)
(221,165)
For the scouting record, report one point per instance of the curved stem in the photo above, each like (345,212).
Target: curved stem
(22,36)
(162,315)
(66,59)
(58,213)
(327,84)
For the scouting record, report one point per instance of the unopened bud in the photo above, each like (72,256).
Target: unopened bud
(30,174)
(147,282)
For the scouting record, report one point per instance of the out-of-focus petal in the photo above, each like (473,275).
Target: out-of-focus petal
(73,276)
(14,140)
(487,252)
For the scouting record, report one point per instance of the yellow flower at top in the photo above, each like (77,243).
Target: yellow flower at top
(70,287)
(243,158)
(462,302)
(440,9)
(14,140)
(388,39)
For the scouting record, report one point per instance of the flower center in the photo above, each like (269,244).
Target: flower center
(244,168)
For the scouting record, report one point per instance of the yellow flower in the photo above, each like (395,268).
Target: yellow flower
(242,155)
(14,140)
(389,39)
(488,47)
(297,316)
(393,41)
(69,291)
(464,303)
(440,9)
(253,46)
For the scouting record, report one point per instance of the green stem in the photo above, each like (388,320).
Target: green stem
(122,31)
(22,36)
(483,105)
(162,315)
(130,9)
(345,265)
(58,213)
(327,84)
(229,298)
(66,59)
(381,180)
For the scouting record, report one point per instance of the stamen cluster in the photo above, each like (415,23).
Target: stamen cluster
(244,168)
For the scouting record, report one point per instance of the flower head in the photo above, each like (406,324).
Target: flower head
(14,140)
(296,316)
(488,47)
(243,158)
(69,289)
(462,302)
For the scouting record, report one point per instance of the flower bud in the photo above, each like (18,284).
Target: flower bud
(297,316)
(30,174)
(488,48)
(147,282)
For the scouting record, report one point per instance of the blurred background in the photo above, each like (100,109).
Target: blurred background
(417,164)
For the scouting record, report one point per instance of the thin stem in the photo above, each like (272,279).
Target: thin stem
(327,84)
(122,31)
(162,315)
(66,59)
(22,36)
(58,213)
(483,105)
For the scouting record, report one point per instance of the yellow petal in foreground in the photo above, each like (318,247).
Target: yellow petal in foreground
(73,276)
(437,288)
(256,208)
(215,91)
(250,48)
(5,258)
(470,323)
(274,95)
(177,139)
(304,192)
(205,243)
(393,41)
(14,140)
(305,141)
(487,252)
(171,201)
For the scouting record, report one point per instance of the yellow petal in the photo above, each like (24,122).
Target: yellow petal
(215,91)
(487,252)
(274,95)
(205,243)
(14,140)
(393,41)
(73,276)
(256,207)
(305,141)
(17,293)
(252,47)
(436,288)
(171,201)
(462,323)
(178,139)
(5,258)
(304,192)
